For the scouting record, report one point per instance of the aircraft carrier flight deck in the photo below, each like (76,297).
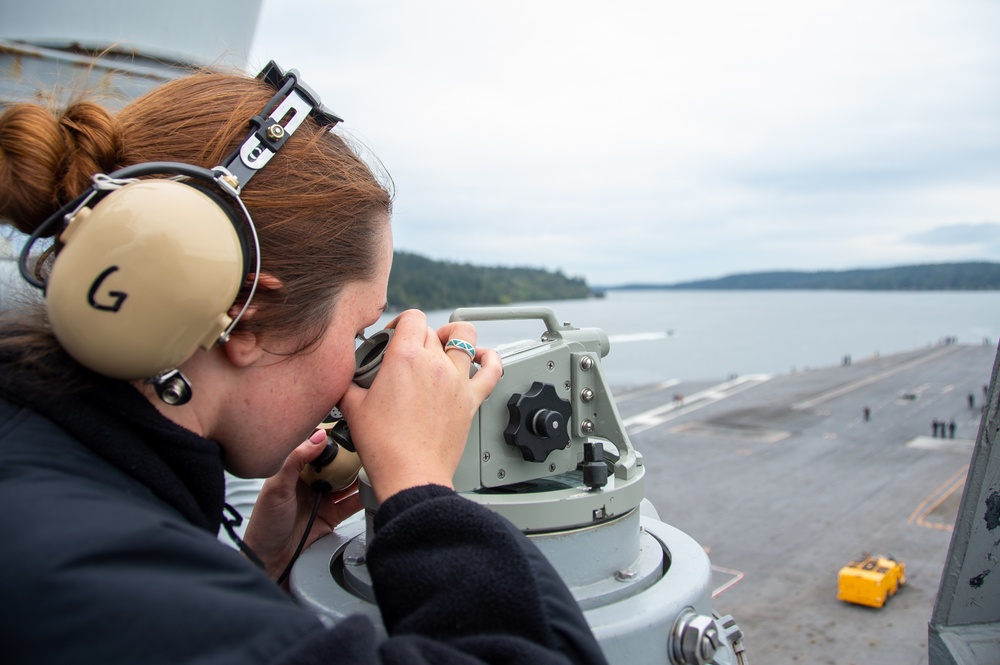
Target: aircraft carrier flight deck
(784,479)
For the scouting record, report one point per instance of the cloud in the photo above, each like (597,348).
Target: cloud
(985,235)
(650,141)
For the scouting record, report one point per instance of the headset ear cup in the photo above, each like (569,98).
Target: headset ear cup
(145,277)
(236,219)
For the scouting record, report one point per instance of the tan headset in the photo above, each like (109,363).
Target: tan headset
(154,255)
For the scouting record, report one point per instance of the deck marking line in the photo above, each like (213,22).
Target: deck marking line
(625,396)
(737,576)
(843,390)
(941,492)
(959,484)
(665,412)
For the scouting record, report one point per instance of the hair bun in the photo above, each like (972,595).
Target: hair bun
(47,160)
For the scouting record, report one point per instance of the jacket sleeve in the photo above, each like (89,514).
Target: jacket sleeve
(457,583)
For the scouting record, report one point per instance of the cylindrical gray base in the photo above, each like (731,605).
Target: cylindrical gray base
(633,577)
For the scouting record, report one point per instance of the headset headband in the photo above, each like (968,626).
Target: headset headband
(104,183)
(268,134)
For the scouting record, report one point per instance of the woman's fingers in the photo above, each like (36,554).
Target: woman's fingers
(338,506)
(489,373)
(411,425)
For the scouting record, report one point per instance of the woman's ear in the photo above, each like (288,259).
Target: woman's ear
(265,282)
(243,347)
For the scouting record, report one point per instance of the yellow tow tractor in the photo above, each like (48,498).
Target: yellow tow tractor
(871,581)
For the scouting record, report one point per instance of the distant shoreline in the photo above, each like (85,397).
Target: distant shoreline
(967,276)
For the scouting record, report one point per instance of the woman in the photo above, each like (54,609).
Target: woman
(112,498)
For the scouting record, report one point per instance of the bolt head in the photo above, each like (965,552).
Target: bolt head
(626,575)
(696,639)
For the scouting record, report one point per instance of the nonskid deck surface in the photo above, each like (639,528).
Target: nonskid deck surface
(783,481)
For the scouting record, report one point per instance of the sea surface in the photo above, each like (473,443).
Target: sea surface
(706,335)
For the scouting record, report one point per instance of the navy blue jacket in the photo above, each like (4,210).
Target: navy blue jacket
(109,514)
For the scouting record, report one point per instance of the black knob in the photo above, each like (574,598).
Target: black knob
(538,422)
(548,423)
(595,469)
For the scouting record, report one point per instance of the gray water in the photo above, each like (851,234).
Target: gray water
(708,335)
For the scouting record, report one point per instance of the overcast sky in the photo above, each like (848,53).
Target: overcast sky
(665,141)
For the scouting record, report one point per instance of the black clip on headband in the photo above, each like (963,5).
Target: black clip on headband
(268,134)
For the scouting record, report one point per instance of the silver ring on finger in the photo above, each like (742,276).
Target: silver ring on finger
(461,345)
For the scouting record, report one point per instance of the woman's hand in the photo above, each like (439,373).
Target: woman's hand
(410,427)
(284,505)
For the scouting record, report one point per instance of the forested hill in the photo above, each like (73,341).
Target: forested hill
(973,276)
(416,281)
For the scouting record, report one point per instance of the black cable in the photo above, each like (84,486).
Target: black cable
(302,541)
(234,521)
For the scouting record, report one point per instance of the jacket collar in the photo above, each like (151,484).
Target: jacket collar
(119,424)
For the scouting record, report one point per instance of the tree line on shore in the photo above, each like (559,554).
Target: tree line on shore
(417,281)
(968,276)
